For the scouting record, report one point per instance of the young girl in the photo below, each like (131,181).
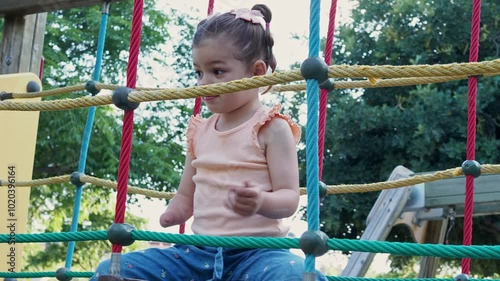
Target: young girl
(241,172)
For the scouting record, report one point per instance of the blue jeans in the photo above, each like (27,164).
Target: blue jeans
(192,263)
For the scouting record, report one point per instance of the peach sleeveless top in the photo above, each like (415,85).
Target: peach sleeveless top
(223,158)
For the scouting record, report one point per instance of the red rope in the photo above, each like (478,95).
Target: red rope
(323,102)
(128,118)
(471,131)
(42,67)
(197,102)
(210,7)
(197,106)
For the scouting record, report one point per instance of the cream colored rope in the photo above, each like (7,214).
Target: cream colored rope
(372,72)
(331,189)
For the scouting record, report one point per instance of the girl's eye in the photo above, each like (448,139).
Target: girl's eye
(198,73)
(218,71)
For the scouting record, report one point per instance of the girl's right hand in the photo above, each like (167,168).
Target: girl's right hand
(167,219)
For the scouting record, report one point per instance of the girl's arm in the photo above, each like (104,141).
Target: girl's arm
(281,153)
(180,208)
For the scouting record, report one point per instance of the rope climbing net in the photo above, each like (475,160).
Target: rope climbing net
(317,74)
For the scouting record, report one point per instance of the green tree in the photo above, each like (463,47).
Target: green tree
(420,127)
(69,51)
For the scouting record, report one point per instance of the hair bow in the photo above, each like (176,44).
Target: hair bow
(252,16)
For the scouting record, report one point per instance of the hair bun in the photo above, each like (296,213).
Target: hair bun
(266,12)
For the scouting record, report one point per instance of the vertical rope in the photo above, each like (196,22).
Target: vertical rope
(471,130)
(128,126)
(197,102)
(312,133)
(323,99)
(42,67)
(210,9)
(87,133)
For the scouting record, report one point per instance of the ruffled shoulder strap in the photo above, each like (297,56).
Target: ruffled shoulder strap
(274,112)
(193,126)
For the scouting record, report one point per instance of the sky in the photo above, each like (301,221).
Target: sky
(290,18)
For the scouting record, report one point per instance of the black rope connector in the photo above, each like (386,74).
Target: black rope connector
(462,277)
(327,85)
(314,243)
(471,167)
(33,87)
(120,99)
(91,87)
(478,77)
(5,96)
(121,234)
(315,68)
(61,274)
(74,178)
(323,190)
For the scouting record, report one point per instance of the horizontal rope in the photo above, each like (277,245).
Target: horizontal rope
(389,71)
(334,71)
(131,189)
(378,83)
(38,182)
(345,278)
(87,274)
(92,180)
(48,93)
(417,179)
(397,248)
(42,274)
(71,89)
(331,189)
(98,235)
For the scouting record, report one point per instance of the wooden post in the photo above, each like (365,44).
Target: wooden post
(436,231)
(26,7)
(384,213)
(20,57)
(22,43)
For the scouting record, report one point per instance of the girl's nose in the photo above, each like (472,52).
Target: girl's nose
(204,81)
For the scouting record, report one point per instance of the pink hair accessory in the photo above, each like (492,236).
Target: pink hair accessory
(252,16)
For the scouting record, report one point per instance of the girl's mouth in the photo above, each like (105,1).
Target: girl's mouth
(209,98)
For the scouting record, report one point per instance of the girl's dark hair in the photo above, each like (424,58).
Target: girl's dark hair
(251,39)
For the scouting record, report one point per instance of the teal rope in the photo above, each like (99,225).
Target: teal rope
(87,274)
(86,134)
(312,164)
(341,278)
(58,237)
(396,248)
(314,40)
(219,241)
(44,274)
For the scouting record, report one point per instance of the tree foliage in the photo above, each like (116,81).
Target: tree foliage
(69,51)
(421,127)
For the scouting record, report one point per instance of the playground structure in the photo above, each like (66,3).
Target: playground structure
(408,198)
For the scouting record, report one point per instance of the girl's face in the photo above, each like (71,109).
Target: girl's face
(214,62)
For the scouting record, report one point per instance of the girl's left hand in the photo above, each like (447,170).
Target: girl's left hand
(244,200)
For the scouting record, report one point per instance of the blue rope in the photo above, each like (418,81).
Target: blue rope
(87,133)
(312,133)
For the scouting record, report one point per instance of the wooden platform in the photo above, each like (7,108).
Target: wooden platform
(25,7)
(379,223)
(424,209)
(435,198)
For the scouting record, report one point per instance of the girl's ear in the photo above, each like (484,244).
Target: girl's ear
(259,68)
